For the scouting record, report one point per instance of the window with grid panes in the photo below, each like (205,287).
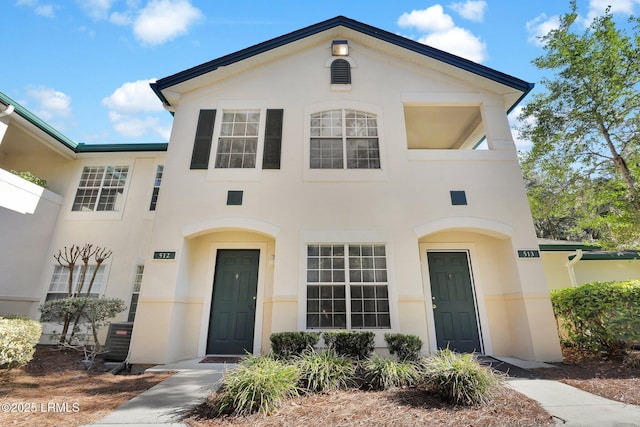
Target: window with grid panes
(101,188)
(137,281)
(347,287)
(344,137)
(156,188)
(238,141)
(59,285)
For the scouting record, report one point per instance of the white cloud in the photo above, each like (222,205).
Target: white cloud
(134,111)
(96,9)
(598,7)
(458,41)
(164,20)
(50,103)
(540,26)
(442,33)
(134,97)
(472,10)
(431,19)
(46,10)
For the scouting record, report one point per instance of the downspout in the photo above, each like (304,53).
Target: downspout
(570,264)
(4,124)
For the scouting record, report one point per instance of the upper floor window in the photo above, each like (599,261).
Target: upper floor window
(340,137)
(156,188)
(238,142)
(101,188)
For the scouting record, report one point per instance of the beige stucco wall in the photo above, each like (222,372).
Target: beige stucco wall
(406,199)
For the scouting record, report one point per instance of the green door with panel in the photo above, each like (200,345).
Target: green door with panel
(233,304)
(454,308)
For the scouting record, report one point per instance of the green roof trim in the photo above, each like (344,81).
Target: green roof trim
(602,255)
(563,247)
(120,148)
(77,147)
(38,122)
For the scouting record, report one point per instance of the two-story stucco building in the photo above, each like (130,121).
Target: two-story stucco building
(325,179)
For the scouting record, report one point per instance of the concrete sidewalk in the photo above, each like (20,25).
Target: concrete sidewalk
(570,406)
(165,403)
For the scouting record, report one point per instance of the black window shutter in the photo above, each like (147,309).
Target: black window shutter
(204,137)
(340,72)
(272,140)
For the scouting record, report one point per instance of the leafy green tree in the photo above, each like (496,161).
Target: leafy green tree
(585,130)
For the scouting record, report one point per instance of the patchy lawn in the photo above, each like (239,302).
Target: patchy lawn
(55,390)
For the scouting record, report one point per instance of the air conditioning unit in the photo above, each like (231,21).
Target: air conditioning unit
(118,340)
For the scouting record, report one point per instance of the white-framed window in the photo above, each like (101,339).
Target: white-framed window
(101,188)
(347,287)
(59,285)
(238,139)
(137,281)
(156,188)
(344,138)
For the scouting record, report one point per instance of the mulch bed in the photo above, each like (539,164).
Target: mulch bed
(55,390)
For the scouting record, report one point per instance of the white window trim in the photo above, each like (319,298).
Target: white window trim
(100,215)
(328,237)
(237,174)
(344,174)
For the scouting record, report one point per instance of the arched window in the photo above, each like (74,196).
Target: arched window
(340,72)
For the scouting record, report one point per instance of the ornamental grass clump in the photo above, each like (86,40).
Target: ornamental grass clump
(259,384)
(460,379)
(325,370)
(382,373)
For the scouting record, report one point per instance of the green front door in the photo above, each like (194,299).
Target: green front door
(454,309)
(233,305)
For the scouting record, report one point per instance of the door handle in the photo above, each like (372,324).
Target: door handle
(434,306)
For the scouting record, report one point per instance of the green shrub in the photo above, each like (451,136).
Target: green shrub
(18,339)
(286,345)
(259,384)
(599,316)
(382,373)
(357,345)
(404,347)
(325,370)
(28,176)
(459,378)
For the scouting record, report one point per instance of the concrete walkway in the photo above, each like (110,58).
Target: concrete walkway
(165,403)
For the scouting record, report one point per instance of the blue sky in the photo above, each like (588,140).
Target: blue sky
(84,65)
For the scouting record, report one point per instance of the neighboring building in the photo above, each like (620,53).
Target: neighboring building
(325,179)
(568,264)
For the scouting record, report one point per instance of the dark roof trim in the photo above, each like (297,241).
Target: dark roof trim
(69,143)
(566,247)
(383,35)
(120,148)
(602,255)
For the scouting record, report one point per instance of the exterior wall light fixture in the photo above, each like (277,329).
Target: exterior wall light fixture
(339,48)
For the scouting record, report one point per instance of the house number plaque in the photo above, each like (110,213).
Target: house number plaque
(164,255)
(528,253)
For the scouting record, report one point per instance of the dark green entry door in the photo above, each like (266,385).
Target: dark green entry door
(233,305)
(454,306)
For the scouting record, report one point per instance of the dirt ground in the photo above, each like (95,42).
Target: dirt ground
(597,375)
(55,390)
